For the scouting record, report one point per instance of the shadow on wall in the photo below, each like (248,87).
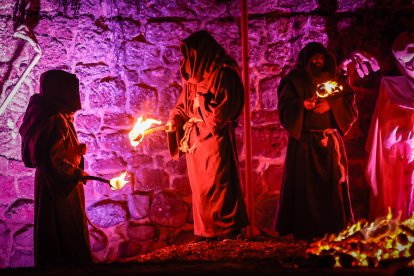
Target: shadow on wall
(370,27)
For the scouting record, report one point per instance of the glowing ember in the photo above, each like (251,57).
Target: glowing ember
(368,244)
(138,132)
(325,89)
(118,182)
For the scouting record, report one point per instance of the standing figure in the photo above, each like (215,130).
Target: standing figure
(50,144)
(201,126)
(315,194)
(394,113)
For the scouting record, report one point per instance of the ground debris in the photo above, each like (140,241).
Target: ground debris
(276,250)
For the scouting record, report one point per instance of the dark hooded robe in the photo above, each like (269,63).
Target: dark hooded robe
(205,132)
(50,144)
(314,197)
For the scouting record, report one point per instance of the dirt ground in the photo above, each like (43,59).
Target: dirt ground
(285,252)
(264,256)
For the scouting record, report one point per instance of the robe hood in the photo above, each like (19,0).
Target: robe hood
(203,58)
(312,48)
(61,89)
(59,93)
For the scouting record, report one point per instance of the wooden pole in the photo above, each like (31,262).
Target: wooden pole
(247,128)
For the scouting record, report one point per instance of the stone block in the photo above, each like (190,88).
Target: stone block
(107,92)
(22,258)
(269,141)
(168,210)
(268,92)
(142,232)
(143,100)
(181,185)
(151,180)
(108,164)
(118,120)
(176,167)
(138,205)
(99,241)
(24,236)
(21,211)
(87,123)
(265,212)
(107,213)
(128,249)
(25,187)
(7,187)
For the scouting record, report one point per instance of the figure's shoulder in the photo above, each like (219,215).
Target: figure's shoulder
(229,75)
(229,71)
(294,75)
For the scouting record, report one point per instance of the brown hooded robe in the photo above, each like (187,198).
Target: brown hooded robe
(50,144)
(218,205)
(314,197)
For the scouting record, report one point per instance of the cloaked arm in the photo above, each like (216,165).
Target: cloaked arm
(63,175)
(175,125)
(225,104)
(291,109)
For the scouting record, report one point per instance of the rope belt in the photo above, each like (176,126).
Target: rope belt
(332,133)
(184,143)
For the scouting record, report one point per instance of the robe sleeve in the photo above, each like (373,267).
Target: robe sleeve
(63,175)
(226,104)
(344,109)
(291,109)
(177,114)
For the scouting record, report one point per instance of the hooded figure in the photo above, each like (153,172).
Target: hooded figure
(201,125)
(390,139)
(50,144)
(314,197)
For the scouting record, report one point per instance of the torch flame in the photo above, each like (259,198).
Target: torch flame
(137,133)
(118,182)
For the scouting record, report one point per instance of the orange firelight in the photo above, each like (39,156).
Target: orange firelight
(119,182)
(136,135)
(369,243)
(325,89)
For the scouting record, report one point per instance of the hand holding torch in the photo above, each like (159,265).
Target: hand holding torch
(116,183)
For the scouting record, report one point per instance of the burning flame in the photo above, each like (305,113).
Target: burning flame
(366,244)
(119,182)
(137,133)
(325,89)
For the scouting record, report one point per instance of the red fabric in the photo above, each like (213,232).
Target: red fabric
(210,75)
(390,144)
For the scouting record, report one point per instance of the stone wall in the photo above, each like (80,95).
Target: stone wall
(126,55)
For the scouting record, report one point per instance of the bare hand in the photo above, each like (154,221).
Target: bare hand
(309,103)
(83,176)
(170,126)
(322,107)
(360,59)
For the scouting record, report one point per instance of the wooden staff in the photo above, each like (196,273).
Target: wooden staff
(149,131)
(249,192)
(97,178)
